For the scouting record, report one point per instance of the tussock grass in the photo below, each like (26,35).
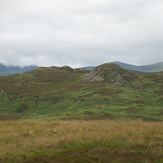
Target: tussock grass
(81,141)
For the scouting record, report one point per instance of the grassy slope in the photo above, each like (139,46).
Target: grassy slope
(81,141)
(65,93)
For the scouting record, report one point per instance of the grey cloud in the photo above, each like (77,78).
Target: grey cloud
(80,33)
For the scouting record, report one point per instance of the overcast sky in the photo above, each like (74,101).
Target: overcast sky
(80,32)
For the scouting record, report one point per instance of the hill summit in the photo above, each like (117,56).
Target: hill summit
(110,73)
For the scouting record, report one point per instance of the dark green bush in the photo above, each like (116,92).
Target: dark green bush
(22,107)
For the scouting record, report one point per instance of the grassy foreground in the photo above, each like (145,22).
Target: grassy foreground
(81,141)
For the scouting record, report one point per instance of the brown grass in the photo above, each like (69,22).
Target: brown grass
(94,141)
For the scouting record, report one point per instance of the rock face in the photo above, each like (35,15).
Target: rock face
(93,76)
(110,73)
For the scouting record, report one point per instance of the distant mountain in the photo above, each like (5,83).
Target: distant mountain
(145,68)
(9,70)
(88,67)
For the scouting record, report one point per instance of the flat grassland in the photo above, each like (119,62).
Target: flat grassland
(78,141)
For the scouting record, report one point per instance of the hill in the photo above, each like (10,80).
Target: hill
(9,70)
(145,68)
(106,92)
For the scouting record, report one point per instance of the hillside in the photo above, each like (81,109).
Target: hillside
(106,92)
(9,70)
(145,68)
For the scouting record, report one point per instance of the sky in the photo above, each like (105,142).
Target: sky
(80,32)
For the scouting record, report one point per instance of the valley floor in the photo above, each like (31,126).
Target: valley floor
(79,141)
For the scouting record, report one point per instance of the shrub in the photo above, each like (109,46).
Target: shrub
(22,107)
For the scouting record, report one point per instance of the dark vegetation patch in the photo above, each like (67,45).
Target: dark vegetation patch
(23,107)
(10,117)
(92,116)
(101,154)
(56,99)
(133,110)
(146,118)
(161,112)
(88,113)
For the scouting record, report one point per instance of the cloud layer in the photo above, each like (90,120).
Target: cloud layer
(80,33)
